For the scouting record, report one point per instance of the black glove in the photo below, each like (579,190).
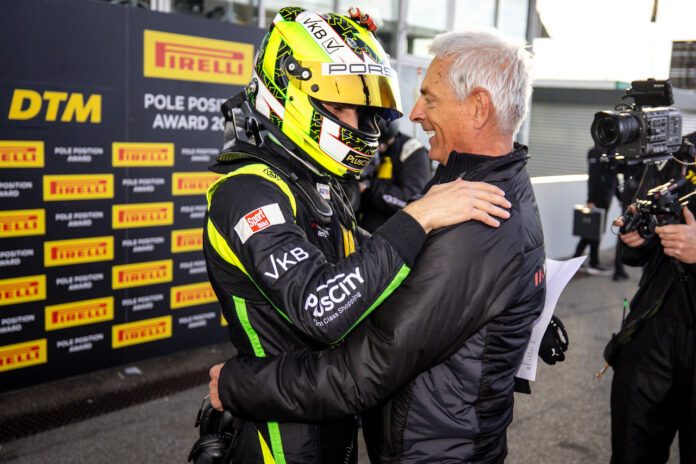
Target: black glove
(554,342)
(218,436)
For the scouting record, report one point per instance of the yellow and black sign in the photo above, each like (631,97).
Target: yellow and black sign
(131,154)
(21,154)
(134,333)
(142,215)
(22,222)
(140,274)
(192,295)
(192,183)
(22,355)
(77,251)
(79,313)
(78,187)
(22,289)
(191,58)
(187,240)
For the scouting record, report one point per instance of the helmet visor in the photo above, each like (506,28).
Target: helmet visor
(361,84)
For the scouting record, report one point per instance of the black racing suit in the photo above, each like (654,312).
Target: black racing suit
(403,171)
(652,393)
(433,368)
(289,276)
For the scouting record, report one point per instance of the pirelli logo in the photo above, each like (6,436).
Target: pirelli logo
(126,154)
(22,355)
(192,295)
(134,333)
(77,313)
(192,183)
(142,215)
(21,154)
(23,222)
(187,240)
(78,187)
(191,58)
(78,251)
(137,275)
(22,289)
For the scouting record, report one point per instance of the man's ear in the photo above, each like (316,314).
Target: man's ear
(483,107)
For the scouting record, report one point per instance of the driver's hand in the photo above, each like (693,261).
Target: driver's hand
(213,385)
(459,201)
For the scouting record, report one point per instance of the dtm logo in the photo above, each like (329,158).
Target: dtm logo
(27,104)
(337,290)
(286,262)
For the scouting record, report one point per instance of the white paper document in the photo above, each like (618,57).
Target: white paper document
(558,274)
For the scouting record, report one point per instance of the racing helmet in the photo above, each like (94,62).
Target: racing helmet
(308,58)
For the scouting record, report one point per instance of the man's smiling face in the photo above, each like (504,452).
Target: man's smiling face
(439,110)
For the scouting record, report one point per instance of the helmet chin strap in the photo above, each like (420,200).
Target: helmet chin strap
(240,116)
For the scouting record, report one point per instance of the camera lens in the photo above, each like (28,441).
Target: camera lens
(611,129)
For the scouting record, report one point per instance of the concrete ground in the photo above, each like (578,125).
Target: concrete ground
(565,420)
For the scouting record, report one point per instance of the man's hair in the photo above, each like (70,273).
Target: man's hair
(484,58)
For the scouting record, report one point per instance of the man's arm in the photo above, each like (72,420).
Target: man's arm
(257,234)
(420,325)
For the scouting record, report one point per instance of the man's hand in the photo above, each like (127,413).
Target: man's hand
(459,201)
(213,385)
(679,240)
(631,239)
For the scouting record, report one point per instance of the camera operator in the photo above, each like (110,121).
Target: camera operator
(653,386)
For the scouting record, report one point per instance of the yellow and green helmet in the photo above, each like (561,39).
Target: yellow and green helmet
(309,57)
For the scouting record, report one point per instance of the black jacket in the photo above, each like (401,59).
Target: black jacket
(284,265)
(653,354)
(659,274)
(403,172)
(461,320)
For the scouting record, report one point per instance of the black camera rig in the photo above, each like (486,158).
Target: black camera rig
(660,207)
(649,130)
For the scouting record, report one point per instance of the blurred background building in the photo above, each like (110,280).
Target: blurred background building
(585,56)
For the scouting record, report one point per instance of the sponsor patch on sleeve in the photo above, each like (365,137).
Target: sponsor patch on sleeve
(258,220)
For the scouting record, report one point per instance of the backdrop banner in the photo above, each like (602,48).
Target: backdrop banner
(109,118)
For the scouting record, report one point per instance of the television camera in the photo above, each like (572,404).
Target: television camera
(647,130)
